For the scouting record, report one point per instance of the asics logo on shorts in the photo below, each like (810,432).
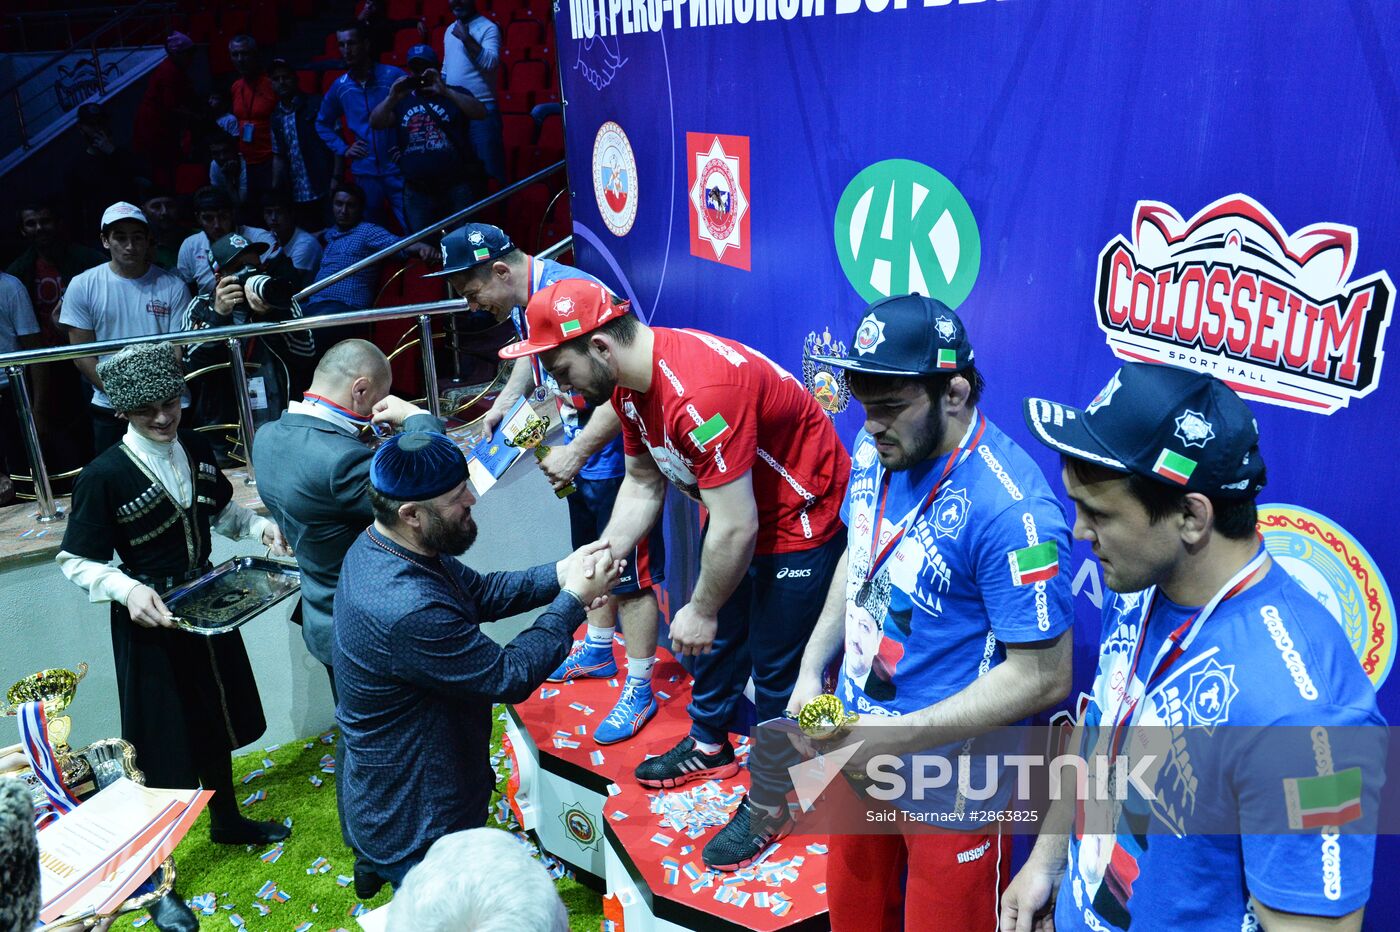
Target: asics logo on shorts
(786,573)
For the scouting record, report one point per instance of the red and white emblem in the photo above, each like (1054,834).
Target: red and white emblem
(718,169)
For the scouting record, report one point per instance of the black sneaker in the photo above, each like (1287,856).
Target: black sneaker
(749,833)
(684,763)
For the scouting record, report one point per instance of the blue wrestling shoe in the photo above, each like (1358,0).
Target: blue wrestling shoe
(634,708)
(586,659)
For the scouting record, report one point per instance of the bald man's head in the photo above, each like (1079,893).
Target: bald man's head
(353,373)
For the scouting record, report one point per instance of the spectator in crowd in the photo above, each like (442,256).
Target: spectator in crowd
(213,211)
(471,58)
(441,173)
(254,100)
(103,173)
(283,360)
(438,896)
(313,472)
(19,856)
(380,30)
(301,163)
(301,248)
(351,239)
(18,330)
(168,227)
(229,171)
(221,111)
(353,96)
(168,107)
(49,262)
(127,297)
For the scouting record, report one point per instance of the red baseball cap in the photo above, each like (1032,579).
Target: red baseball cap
(564,311)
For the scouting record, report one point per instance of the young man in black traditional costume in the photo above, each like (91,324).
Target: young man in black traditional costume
(187,700)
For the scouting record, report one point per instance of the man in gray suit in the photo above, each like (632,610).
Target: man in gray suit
(313,472)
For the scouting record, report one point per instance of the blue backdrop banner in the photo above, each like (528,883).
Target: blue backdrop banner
(1209,183)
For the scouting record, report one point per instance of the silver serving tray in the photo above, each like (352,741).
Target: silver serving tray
(231,594)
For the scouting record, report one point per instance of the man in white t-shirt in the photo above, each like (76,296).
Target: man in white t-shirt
(126,297)
(471,59)
(18,330)
(213,211)
(303,249)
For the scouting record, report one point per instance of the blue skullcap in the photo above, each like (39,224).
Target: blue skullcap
(417,466)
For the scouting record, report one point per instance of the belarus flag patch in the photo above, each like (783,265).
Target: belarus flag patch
(709,432)
(1031,565)
(1331,799)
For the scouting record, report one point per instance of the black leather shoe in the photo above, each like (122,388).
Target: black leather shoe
(367,882)
(248,832)
(170,914)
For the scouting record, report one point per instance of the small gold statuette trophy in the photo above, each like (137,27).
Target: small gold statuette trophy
(824,717)
(531,436)
(56,689)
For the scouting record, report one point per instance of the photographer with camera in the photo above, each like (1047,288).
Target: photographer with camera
(441,171)
(279,364)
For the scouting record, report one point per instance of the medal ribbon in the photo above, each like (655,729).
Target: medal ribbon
(360,421)
(34,737)
(1172,649)
(878,555)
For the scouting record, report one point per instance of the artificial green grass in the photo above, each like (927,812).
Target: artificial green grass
(235,874)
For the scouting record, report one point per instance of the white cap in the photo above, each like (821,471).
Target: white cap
(121,210)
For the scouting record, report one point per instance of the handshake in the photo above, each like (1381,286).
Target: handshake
(590,572)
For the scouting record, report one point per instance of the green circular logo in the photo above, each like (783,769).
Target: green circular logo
(902,227)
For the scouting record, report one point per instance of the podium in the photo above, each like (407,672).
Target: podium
(582,805)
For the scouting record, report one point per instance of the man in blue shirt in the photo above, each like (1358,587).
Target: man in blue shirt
(416,676)
(354,95)
(939,629)
(482,264)
(1202,629)
(350,239)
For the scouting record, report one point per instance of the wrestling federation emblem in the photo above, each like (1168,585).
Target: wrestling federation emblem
(615,178)
(718,174)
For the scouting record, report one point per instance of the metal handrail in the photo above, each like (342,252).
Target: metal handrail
(409,240)
(145,6)
(15,364)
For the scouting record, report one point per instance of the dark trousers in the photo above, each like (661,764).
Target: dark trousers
(773,612)
(14,456)
(107,428)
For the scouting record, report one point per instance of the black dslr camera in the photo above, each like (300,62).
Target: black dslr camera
(276,293)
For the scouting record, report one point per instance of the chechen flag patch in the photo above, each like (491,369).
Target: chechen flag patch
(1330,799)
(1174,467)
(1031,565)
(569,327)
(709,432)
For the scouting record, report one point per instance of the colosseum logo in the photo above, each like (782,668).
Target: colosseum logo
(1229,292)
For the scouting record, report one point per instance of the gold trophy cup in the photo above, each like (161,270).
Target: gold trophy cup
(824,717)
(56,689)
(531,436)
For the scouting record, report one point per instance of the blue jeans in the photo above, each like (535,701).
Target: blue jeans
(382,191)
(486,139)
(426,206)
(782,595)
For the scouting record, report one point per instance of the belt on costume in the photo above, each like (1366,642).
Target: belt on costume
(166,583)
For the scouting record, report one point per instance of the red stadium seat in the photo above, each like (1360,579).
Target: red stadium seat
(309,82)
(438,12)
(234,22)
(190,177)
(404,40)
(403,9)
(523,33)
(517,130)
(264,24)
(202,26)
(515,104)
(526,211)
(529,76)
(504,10)
(328,78)
(552,133)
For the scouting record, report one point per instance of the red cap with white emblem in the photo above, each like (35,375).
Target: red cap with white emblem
(564,311)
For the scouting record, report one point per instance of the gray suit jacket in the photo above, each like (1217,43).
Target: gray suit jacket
(314,478)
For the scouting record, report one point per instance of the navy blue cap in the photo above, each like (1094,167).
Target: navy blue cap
(471,245)
(422,53)
(1177,426)
(908,335)
(417,466)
